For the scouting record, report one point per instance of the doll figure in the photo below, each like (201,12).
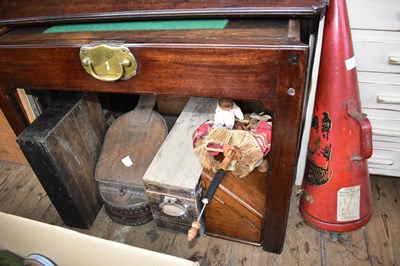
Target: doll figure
(225,114)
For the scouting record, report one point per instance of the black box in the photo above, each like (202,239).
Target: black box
(62,147)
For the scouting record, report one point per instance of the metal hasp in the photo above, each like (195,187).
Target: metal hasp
(108,62)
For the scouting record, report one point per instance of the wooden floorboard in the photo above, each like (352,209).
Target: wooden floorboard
(383,232)
(375,244)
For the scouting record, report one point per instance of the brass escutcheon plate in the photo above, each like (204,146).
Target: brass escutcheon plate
(107,62)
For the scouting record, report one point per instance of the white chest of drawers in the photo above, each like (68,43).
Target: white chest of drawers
(375,28)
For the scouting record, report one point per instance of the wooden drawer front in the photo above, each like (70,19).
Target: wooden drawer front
(380,95)
(161,204)
(385,158)
(249,59)
(376,15)
(373,49)
(387,145)
(385,124)
(197,71)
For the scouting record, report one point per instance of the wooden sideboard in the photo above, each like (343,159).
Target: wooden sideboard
(264,54)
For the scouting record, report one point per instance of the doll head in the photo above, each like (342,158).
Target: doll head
(225,104)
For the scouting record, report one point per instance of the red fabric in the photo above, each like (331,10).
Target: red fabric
(262,135)
(201,131)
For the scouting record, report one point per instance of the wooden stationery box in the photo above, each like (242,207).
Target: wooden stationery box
(62,147)
(237,210)
(172,180)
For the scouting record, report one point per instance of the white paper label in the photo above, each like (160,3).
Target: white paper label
(350,63)
(127,161)
(348,204)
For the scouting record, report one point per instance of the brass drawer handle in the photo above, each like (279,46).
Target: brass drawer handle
(108,62)
(106,78)
(394,60)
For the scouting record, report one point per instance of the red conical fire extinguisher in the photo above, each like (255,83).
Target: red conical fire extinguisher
(336,184)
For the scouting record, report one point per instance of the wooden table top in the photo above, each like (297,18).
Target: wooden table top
(54,11)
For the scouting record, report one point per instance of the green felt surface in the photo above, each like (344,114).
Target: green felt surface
(141,25)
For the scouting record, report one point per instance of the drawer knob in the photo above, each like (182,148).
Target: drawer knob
(108,62)
(394,60)
(388,99)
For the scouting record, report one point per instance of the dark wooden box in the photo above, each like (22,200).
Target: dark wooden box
(238,208)
(62,147)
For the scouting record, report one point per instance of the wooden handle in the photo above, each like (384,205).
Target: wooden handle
(192,233)
(228,153)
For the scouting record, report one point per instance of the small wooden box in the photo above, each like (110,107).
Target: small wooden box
(238,208)
(62,147)
(172,180)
